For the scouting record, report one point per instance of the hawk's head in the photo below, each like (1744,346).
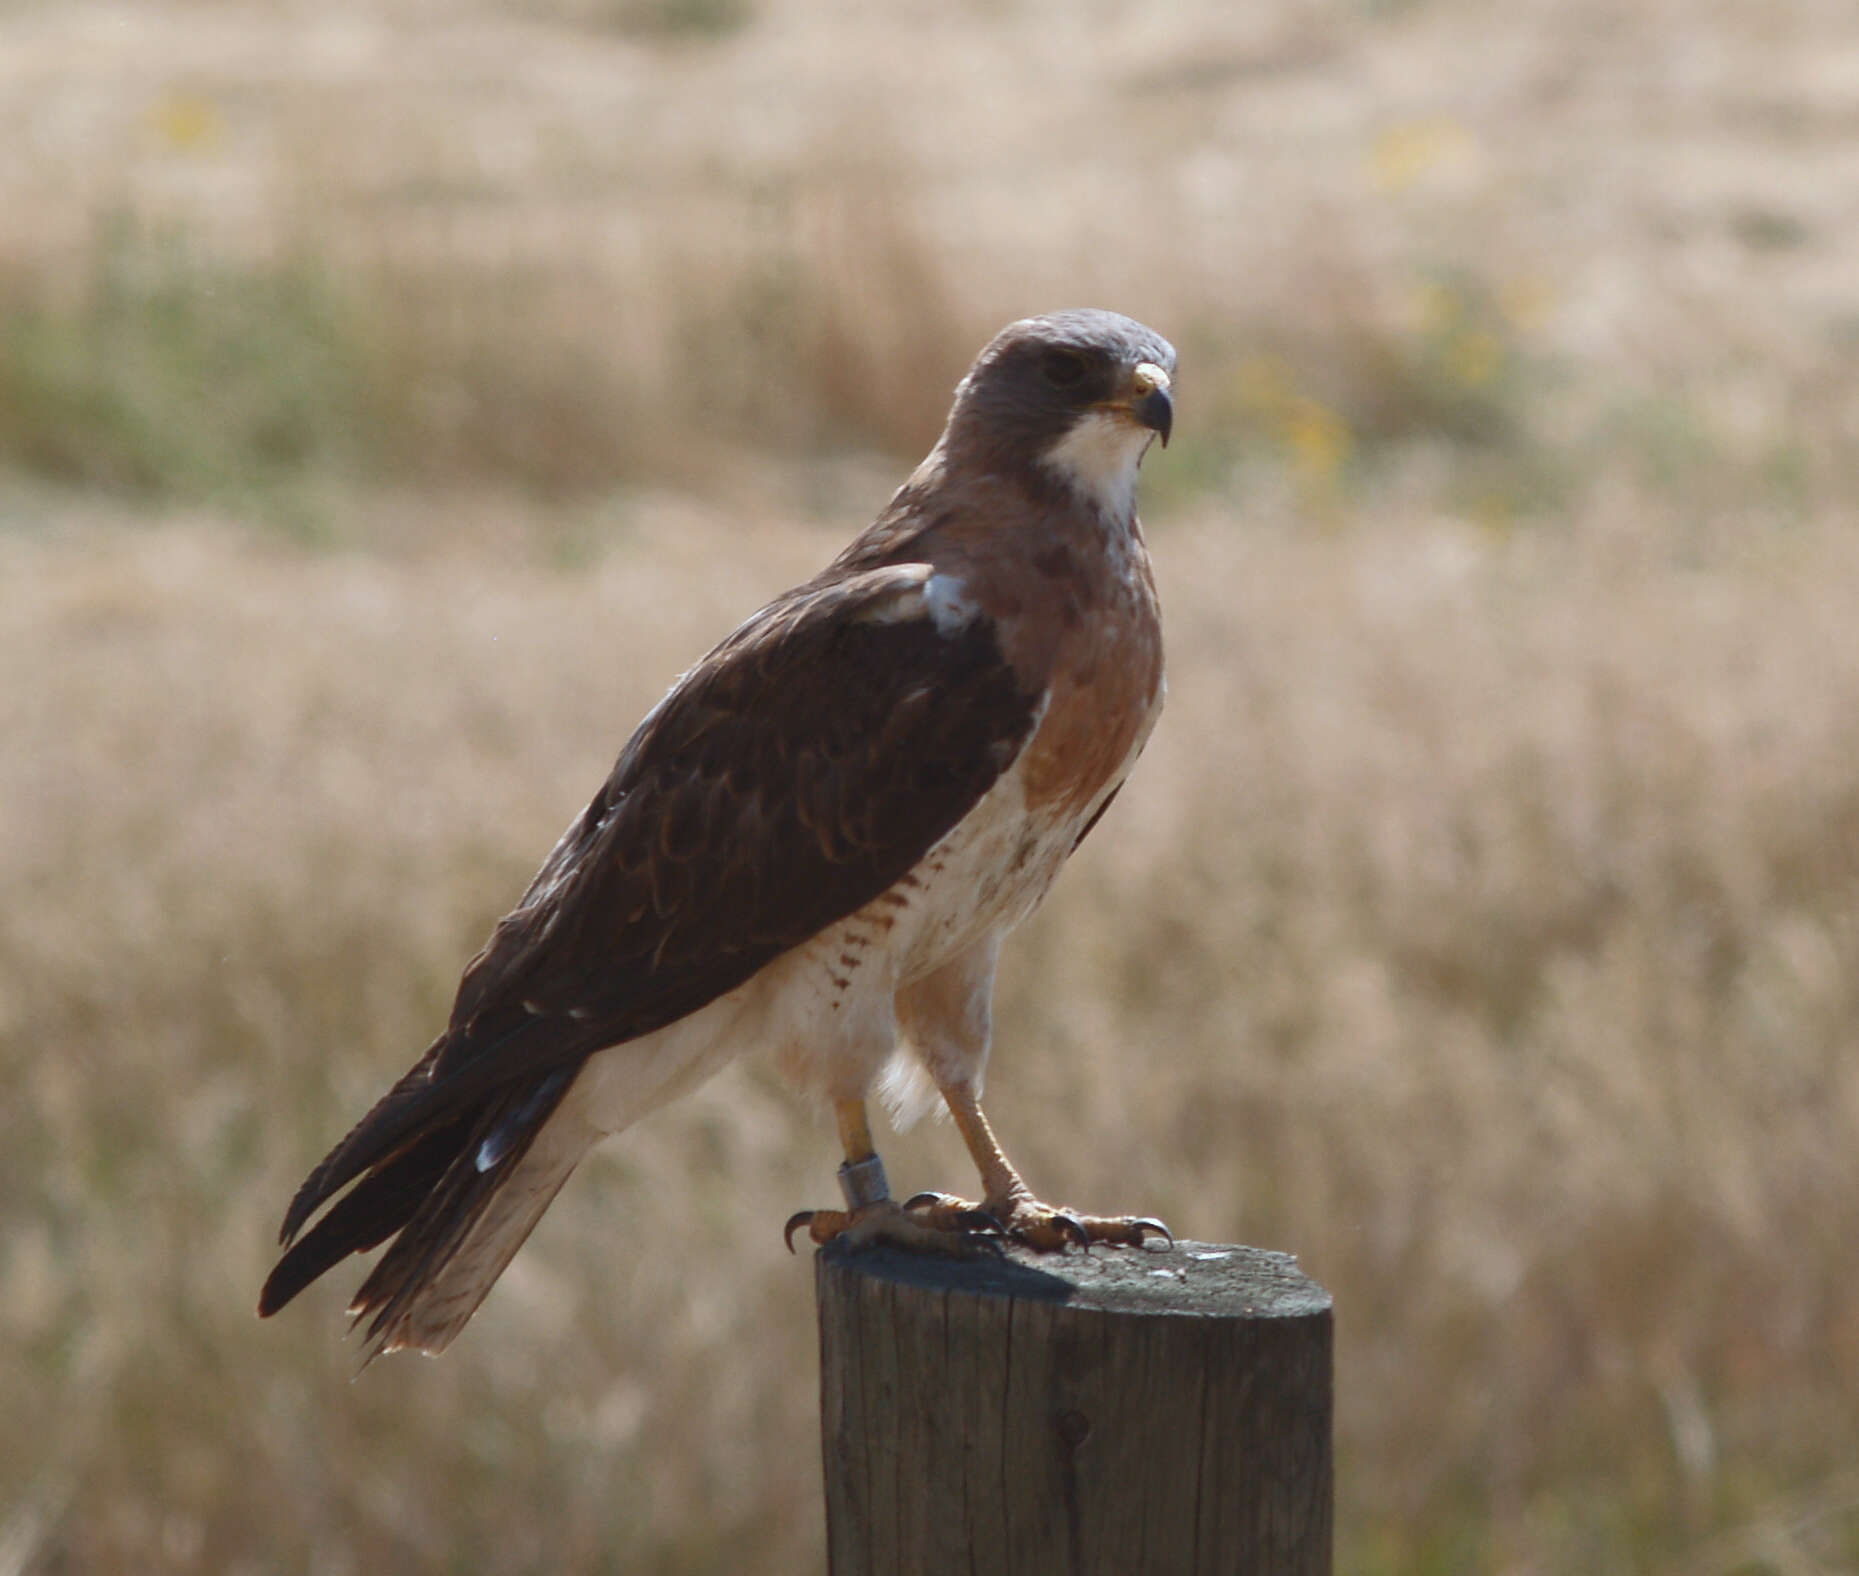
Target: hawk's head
(1074,395)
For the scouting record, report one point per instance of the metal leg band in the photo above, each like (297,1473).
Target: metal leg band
(863,1183)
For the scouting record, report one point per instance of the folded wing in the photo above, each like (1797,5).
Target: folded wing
(797,772)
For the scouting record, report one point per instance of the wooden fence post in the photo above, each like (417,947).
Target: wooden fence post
(1129,1412)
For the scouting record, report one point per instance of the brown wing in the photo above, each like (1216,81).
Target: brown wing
(798,771)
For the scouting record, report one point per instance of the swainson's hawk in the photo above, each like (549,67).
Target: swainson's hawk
(815,843)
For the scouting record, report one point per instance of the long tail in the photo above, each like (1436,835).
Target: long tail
(458,1197)
(442,1265)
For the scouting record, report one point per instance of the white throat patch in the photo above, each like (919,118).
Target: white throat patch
(1099,457)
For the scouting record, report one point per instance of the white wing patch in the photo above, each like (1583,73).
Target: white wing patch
(949,604)
(918,592)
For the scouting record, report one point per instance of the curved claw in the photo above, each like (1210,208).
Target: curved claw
(802,1217)
(1149,1223)
(1073,1227)
(968,1219)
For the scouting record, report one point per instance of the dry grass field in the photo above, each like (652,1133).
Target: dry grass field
(394,397)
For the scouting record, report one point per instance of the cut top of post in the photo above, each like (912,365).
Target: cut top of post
(1192,1279)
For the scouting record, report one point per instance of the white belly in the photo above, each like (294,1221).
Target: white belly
(986,876)
(832,1019)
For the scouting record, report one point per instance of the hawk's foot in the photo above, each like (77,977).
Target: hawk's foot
(955,1234)
(1024,1219)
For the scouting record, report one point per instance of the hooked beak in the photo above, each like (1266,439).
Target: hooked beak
(1149,399)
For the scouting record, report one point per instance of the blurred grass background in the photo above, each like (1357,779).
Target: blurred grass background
(394,397)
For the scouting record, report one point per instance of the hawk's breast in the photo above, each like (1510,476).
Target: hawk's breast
(1103,699)
(992,869)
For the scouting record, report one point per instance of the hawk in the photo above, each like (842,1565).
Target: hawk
(815,842)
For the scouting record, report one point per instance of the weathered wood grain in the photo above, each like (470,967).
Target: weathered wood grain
(1127,1412)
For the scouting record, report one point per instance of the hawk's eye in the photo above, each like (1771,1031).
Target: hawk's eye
(1064,368)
